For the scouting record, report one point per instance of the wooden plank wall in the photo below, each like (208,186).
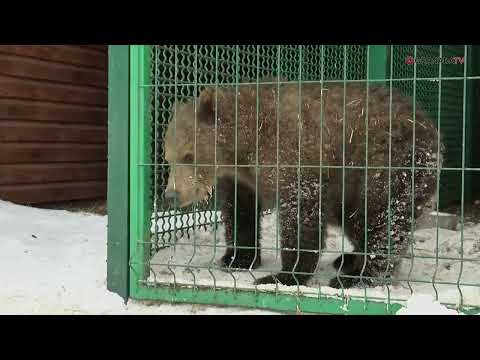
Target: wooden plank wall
(53,122)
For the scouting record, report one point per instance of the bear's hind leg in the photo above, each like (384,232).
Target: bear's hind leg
(373,270)
(244,253)
(386,241)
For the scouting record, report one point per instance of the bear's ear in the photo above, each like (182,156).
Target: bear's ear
(206,106)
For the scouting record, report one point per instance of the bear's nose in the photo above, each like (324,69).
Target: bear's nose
(171,196)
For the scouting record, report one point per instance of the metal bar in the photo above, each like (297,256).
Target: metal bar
(118,170)
(361,80)
(279,302)
(140,177)
(462,206)
(460,169)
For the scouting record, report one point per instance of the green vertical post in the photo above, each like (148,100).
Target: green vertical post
(140,166)
(470,101)
(378,63)
(118,170)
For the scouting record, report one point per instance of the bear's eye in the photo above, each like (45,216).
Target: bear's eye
(188,158)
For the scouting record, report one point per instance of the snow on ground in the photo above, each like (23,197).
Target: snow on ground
(195,259)
(54,262)
(425,305)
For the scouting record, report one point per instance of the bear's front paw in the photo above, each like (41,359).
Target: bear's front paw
(348,282)
(241,260)
(283,279)
(266,280)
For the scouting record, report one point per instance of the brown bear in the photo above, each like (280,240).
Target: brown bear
(303,149)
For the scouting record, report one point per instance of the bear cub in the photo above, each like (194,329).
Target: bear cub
(319,155)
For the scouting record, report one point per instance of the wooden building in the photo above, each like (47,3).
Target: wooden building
(53,122)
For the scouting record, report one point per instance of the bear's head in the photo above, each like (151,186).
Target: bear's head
(190,150)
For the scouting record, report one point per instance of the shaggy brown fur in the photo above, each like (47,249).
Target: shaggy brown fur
(278,128)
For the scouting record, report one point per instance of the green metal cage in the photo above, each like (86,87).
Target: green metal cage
(145,81)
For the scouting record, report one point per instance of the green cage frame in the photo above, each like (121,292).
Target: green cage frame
(130,202)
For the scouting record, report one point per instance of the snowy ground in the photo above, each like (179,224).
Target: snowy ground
(54,262)
(194,259)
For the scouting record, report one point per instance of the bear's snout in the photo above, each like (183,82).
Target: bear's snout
(171,196)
